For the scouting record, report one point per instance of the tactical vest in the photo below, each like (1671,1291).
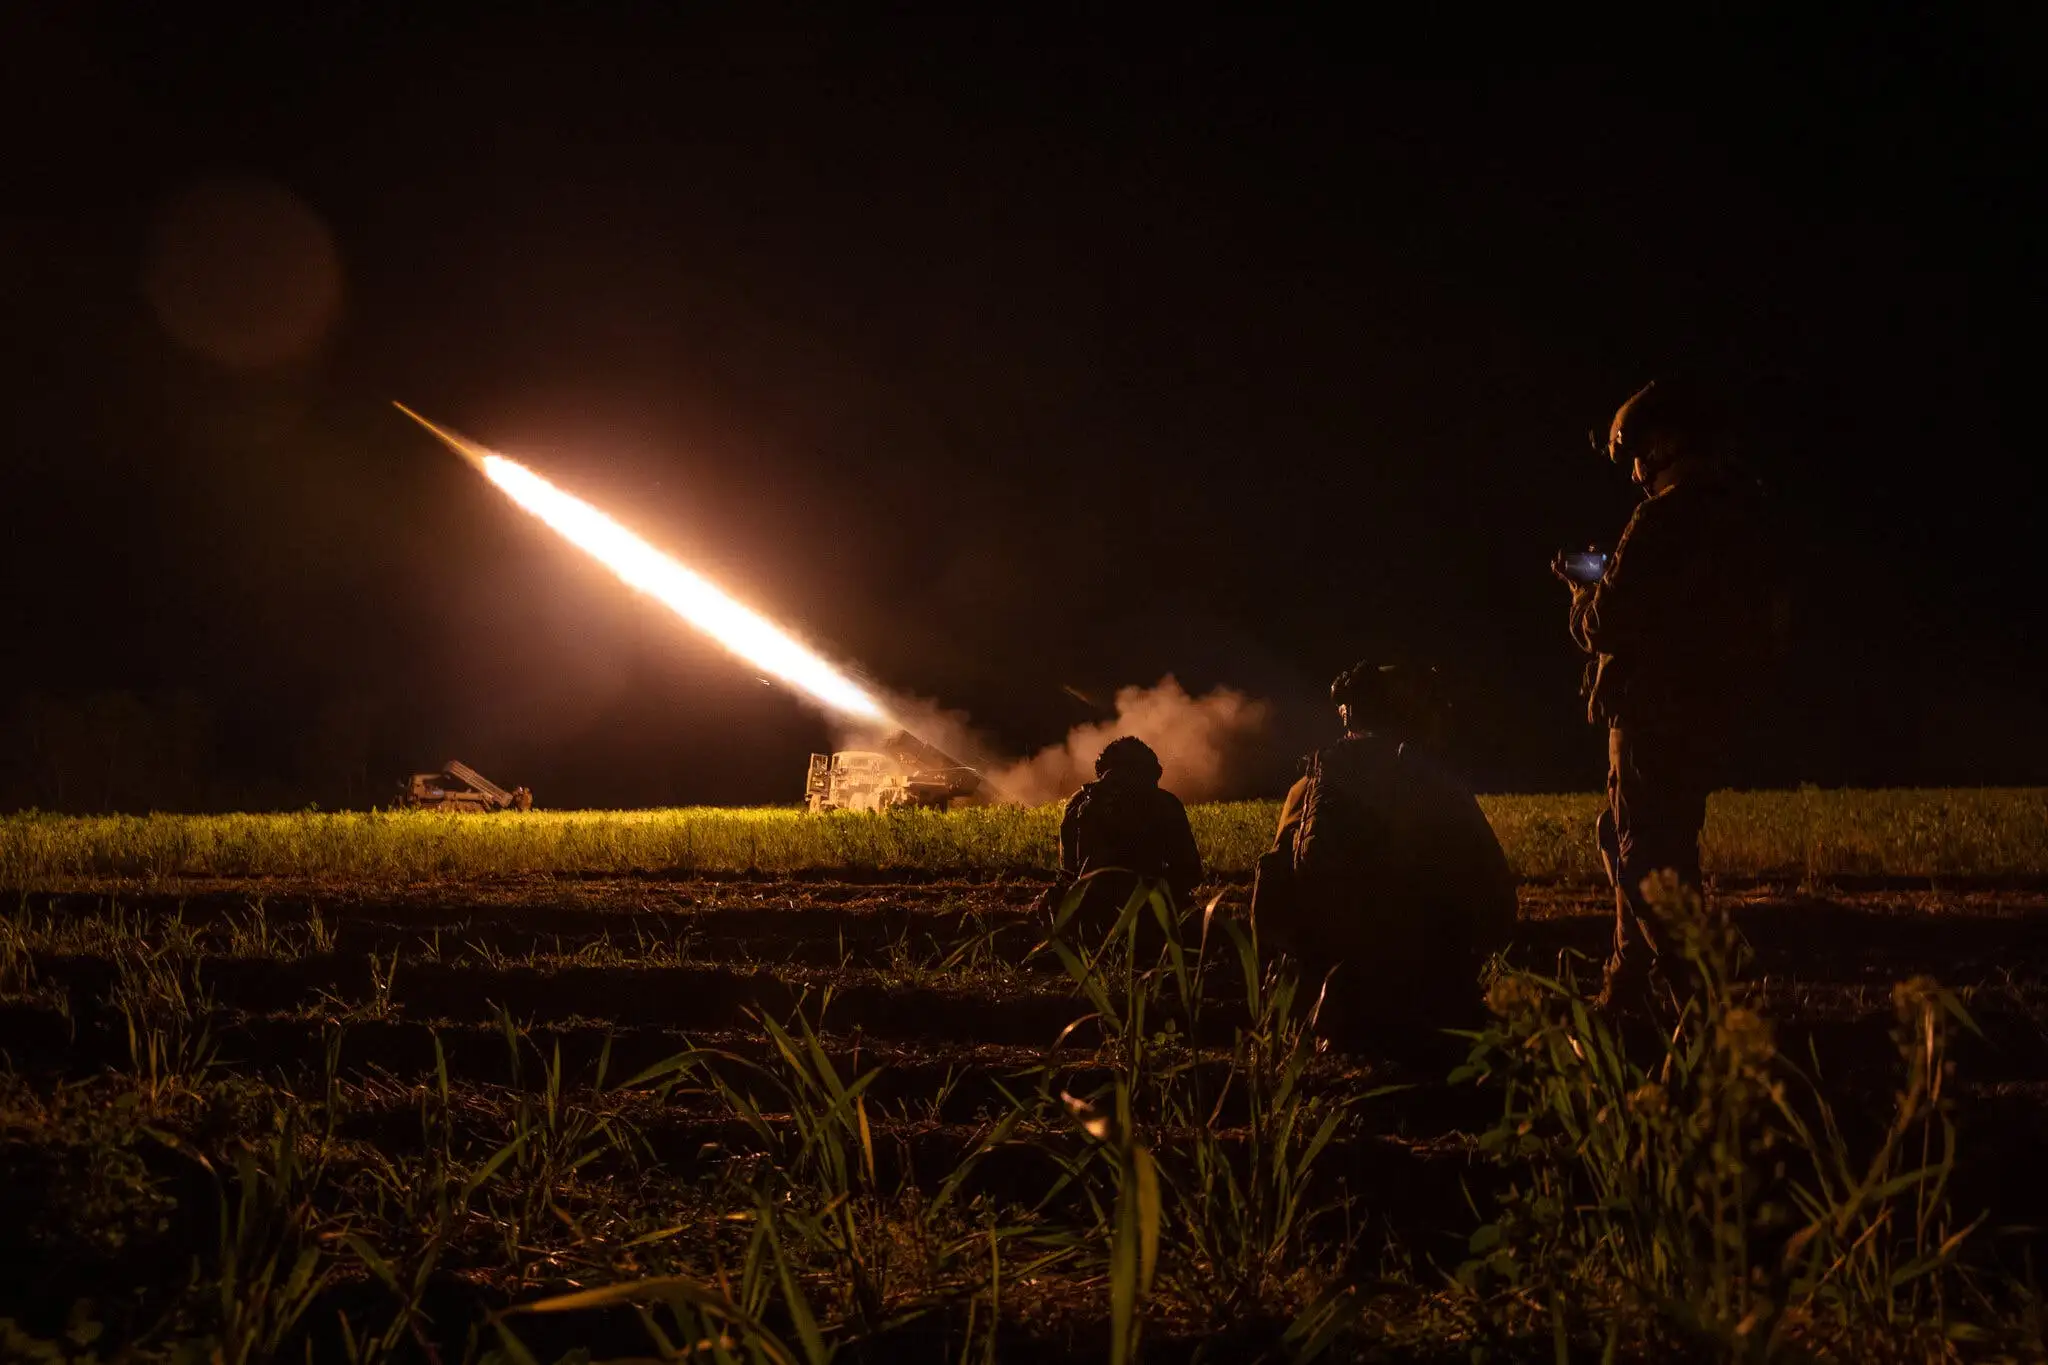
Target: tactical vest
(1117,826)
(1392,848)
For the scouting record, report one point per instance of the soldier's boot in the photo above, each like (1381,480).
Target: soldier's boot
(1628,986)
(1630,982)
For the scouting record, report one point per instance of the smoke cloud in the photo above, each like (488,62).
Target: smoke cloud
(948,730)
(1202,743)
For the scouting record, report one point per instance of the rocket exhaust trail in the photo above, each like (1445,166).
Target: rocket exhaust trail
(462,446)
(687,593)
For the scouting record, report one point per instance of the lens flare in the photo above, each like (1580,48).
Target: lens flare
(682,590)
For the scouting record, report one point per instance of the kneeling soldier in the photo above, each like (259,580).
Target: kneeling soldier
(1384,869)
(1125,823)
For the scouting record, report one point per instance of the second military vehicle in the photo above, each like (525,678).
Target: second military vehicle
(460,787)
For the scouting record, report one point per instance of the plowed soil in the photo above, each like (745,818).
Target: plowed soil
(644,968)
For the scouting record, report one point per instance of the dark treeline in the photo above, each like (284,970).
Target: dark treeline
(124,751)
(135,750)
(350,744)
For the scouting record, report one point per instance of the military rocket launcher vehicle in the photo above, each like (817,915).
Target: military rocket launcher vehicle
(459,787)
(902,771)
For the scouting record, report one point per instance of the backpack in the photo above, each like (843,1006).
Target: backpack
(1350,832)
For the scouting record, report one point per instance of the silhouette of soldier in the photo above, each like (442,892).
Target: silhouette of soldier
(1679,625)
(1383,866)
(1125,821)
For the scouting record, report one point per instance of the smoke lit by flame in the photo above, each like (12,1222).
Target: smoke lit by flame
(683,591)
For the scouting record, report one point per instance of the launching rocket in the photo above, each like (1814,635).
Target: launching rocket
(461,445)
(684,591)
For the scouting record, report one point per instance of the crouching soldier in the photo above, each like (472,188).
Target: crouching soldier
(1124,826)
(1385,870)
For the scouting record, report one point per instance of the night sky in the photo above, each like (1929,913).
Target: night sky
(999,358)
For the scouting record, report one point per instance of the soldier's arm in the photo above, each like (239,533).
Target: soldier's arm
(1275,902)
(1290,814)
(1610,616)
(1070,828)
(1183,857)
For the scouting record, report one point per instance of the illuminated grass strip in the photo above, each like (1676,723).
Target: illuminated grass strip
(1907,833)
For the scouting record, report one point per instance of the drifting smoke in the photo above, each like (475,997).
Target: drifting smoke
(945,729)
(1201,741)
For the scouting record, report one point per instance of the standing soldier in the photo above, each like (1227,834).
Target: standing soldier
(1678,625)
(1384,867)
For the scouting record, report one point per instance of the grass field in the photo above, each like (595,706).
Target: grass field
(550,1088)
(1807,834)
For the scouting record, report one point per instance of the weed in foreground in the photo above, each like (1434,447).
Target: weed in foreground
(1695,1189)
(896,1249)
(1217,1154)
(271,1264)
(722,1321)
(1687,1192)
(167,1013)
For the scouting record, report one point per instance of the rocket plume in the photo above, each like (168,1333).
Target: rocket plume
(682,590)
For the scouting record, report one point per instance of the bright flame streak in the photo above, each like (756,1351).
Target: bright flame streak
(688,594)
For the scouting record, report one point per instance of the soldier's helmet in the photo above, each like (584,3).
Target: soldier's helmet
(1659,413)
(1128,759)
(1409,696)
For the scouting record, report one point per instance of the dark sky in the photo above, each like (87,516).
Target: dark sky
(1007,356)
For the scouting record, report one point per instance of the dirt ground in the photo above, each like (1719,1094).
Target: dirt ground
(643,968)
